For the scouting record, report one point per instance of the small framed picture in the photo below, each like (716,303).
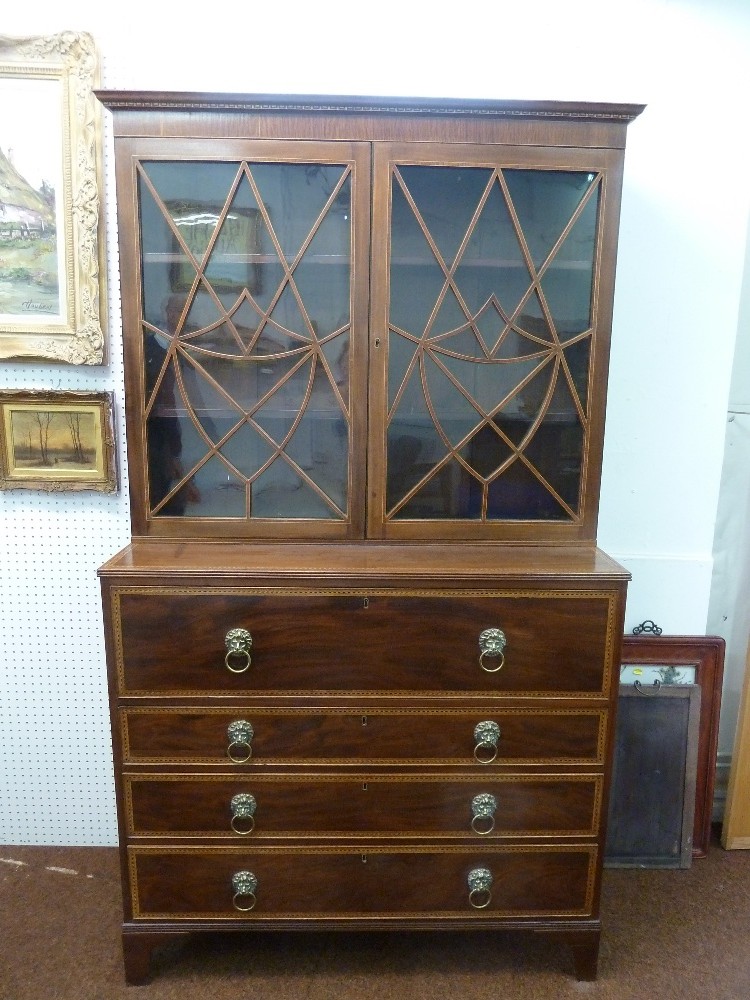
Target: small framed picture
(232,265)
(57,441)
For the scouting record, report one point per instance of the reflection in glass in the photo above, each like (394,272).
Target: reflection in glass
(218,492)
(491,283)
(546,202)
(168,433)
(246,278)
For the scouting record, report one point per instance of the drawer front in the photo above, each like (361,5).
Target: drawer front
(169,641)
(363,805)
(306,883)
(419,736)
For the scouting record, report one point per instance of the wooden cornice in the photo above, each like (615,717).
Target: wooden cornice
(345,105)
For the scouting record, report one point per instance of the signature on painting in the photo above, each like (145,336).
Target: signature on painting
(28,243)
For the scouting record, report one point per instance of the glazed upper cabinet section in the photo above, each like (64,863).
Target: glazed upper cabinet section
(385,339)
(491,341)
(252,312)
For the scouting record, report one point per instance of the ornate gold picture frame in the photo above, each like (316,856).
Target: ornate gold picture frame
(57,441)
(52,288)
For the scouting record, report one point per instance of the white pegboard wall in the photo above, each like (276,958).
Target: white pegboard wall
(56,783)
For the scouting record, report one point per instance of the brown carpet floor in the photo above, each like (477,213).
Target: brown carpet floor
(667,934)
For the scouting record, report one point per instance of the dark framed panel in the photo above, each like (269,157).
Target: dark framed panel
(652,804)
(705,654)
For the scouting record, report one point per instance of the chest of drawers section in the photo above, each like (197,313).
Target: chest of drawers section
(297,752)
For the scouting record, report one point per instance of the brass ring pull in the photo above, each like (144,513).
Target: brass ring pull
(491,644)
(239,642)
(483,809)
(244,885)
(480,888)
(486,739)
(243,808)
(240,734)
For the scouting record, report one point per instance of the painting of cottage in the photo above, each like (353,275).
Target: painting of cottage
(29,283)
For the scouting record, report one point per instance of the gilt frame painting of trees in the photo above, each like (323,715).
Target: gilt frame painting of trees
(57,441)
(52,285)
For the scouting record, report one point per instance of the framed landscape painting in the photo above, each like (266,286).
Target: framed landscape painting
(52,293)
(57,441)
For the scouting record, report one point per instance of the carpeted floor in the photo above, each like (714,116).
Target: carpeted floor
(667,934)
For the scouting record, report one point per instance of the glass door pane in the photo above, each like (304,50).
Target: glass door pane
(247,273)
(489,331)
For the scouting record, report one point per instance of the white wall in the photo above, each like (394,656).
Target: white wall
(682,251)
(729,607)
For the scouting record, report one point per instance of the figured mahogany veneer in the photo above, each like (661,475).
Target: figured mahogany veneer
(556,642)
(427,734)
(362,736)
(388,883)
(370,804)
(366,352)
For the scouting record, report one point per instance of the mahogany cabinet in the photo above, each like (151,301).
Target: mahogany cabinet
(363,649)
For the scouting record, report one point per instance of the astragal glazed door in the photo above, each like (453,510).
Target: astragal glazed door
(486,323)
(252,269)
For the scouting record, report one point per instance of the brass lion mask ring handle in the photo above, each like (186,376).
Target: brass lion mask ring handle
(480,887)
(243,806)
(486,740)
(491,648)
(244,886)
(483,808)
(239,642)
(240,736)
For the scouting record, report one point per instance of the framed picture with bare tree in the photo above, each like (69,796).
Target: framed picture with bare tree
(57,441)
(52,287)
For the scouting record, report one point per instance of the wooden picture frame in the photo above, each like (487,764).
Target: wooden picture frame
(705,655)
(57,441)
(735,831)
(232,262)
(652,805)
(52,286)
